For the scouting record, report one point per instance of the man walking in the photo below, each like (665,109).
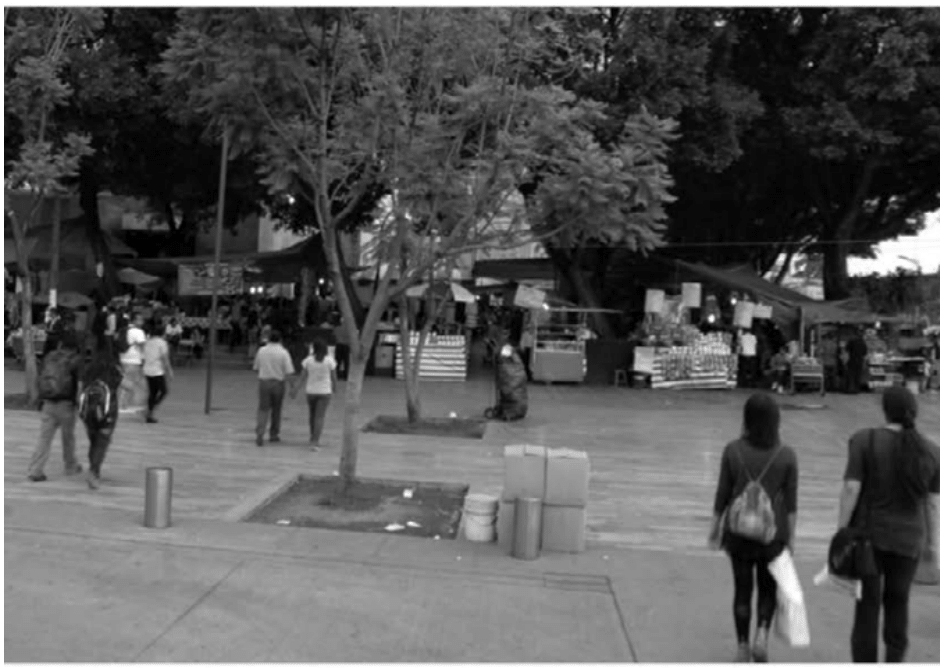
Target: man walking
(857,354)
(273,363)
(131,394)
(157,369)
(58,392)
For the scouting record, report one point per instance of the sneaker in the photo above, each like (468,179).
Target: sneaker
(314,448)
(151,420)
(743,654)
(92,480)
(74,470)
(760,653)
(259,441)
(274,439)
(41,477)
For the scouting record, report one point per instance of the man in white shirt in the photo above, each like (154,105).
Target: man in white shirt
(132,392)
(747,358)
(157,369)
(273,363)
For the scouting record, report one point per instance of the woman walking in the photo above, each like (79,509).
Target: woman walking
(754,517)
(318,375)
(157,369)
(891,476)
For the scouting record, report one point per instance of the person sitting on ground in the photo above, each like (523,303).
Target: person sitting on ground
(754,517)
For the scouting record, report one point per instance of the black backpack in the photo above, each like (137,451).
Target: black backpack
(95,404)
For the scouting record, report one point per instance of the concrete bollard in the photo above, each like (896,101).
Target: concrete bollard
(527,531)
(158,484)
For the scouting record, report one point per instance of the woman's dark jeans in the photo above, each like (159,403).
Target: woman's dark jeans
(891,589)
(750,561)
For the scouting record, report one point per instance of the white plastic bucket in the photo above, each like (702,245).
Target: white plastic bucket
(479,533)
(481,520)
(481,504)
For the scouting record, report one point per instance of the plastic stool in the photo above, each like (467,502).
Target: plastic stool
(620,376)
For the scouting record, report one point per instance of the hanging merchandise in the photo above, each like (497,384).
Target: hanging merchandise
(762,312)
(692,295)
(654,302)
(742,316)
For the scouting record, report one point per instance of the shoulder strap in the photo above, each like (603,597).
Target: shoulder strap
(764,469)
(867,487)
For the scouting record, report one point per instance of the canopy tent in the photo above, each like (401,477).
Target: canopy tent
(67,299)
(75,245)
(788,306)
(137,278)
(282,266)
(457,291)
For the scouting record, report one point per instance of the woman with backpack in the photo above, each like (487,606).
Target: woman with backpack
(889,485)
(98,407)
(754,517)
(318,377)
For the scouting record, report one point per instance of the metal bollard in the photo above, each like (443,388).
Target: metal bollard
(527,531)
(158,483)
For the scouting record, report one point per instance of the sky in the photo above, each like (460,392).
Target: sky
(924,248)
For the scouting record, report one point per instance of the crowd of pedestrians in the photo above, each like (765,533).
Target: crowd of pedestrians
(888,488)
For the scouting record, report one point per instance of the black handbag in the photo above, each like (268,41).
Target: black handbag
(851,553)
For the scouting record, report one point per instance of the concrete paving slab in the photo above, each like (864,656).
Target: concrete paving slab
(269,611)
(70,599)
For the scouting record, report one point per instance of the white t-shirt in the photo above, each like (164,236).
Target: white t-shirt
(748,345)
(155,350)
(136,341)
(319,374)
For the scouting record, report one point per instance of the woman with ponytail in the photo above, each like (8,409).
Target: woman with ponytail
(891,487)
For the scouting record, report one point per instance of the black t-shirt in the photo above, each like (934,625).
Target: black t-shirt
(741,460)
(896,522)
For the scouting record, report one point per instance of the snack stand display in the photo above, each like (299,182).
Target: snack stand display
(882,372)
(705,363)
(444,357)
(806,371)
(559,352)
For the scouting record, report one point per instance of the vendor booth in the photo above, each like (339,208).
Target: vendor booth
(444,356)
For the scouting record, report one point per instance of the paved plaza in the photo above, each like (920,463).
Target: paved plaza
(84,581)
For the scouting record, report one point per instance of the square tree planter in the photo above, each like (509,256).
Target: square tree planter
(423,509)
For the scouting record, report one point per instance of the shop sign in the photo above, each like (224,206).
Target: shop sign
(198,279)
(654,302)
(692,295)
(743,314)
(527,297)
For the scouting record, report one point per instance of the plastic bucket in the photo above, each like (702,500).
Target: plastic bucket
(481,520)
(481,504)
(479,533)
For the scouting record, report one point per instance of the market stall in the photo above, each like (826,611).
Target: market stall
(805,372)
(444,357)
(677,355)
(560,335)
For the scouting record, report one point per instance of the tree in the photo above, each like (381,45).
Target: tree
(845,152)
(36,41)
(344,99)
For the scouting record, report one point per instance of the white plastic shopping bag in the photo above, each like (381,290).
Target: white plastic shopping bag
(850,587)
(791,618)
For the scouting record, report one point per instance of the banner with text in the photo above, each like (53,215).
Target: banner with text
(198,279)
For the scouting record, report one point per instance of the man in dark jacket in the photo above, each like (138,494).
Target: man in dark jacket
(58,393)
(857,354)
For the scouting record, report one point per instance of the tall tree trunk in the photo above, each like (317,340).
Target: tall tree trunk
(350,425)
(89,201)
(568,264)
(357,308)
(29,348)
(835,273)
(411,364)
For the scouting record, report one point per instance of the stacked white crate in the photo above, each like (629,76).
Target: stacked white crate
(560,479)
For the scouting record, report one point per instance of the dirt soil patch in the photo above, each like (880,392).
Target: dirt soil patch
(370,506)
(17,402)
(448,427)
